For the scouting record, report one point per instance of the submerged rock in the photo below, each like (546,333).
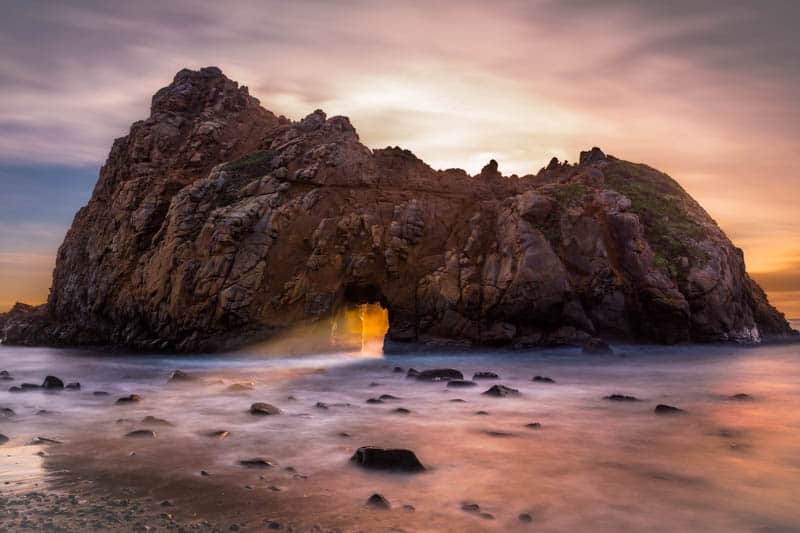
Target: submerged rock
(501,391)
(401,411)
(461,383)
(7,412)
(219,434)
(621,398)
(440,374)
(374,458)
(525,517)
(741,397)
(374,400)
(534,425)
(663,409)
(264,409)
(3,439)
(73,386)
(179,376)
(543,379)
(388,397)
(241,387)
(100,393)
(155,421)
(141,434)
(256,462)
(485,375)
(131,398)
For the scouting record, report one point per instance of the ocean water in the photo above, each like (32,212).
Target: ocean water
(594,464)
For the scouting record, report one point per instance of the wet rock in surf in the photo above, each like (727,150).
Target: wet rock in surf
(501,391)
(525,517)
(73,386)
(377,501)
(398,370)
(7,412)
(621,398)
(241,387)
(471,507)
(264,409)
(3,439)
(485,375)
(495,433)
(482,413)
(596,346)
(179,376)
(141,434)
(155,421)
(663,409)
(461,383)
(741,397)
(412,373)
(543,379)
(28,386)
(440,374)
(256,462)
(386,397)
(373,458)
(52,383)
(5,376)
(534,425)
(457,400)
(36,441)
(401,411)
(219,434)
(131,398)
(100,393)
(374,400)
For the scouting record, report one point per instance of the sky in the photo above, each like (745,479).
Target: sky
(708,92)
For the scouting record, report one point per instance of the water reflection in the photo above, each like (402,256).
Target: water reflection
(594,464)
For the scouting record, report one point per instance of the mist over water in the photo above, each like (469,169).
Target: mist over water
(725,465)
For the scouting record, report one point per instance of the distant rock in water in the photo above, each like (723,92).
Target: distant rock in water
(440,374)
(621,398)
(215,222)
(501,391)
(663,409)
(52,383)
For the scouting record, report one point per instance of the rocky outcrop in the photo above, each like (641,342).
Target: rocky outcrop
(215,222)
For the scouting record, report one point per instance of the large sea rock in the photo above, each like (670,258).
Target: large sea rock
(215,222)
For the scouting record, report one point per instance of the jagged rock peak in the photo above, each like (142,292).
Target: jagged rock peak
(595,155)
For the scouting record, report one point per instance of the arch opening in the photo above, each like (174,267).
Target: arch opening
(362,321)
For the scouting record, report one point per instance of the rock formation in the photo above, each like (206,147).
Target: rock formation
(215,222)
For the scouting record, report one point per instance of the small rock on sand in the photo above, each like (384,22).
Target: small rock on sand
(264,409)
(621,398)
(141,434)
(501,391)
(132,398)
(256,462)
(155,421)
(378,502)
(663,409)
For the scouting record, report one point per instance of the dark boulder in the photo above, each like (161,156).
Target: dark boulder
(501,391)
(7,412)
(399,460)
(534,425)
(401,411)
(485,375)
(264,409)
(461,383)
(377,501)
(374,400)
(73,386)
(471,507)
(663,409)
(440,374)
(30,386)
(52,383)
(14,389)
(100,393)
(398,370)
(412,373)
(3,439)
(543,379)
(387,397)
(525,517)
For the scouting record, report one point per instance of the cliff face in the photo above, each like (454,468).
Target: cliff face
(214,222)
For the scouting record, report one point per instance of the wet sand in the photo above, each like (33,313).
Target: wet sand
(593,464)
